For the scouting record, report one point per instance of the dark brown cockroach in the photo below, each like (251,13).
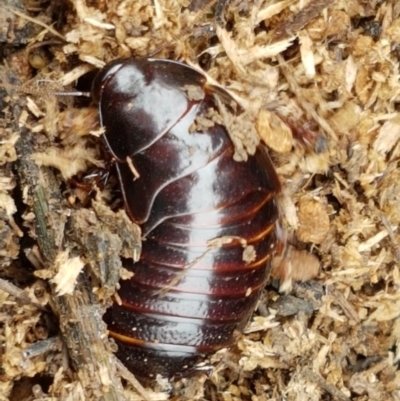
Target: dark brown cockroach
(186,298)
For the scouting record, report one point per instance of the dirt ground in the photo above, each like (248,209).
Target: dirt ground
(320,81)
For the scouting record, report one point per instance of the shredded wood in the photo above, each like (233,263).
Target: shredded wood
(318,83)
(68,269)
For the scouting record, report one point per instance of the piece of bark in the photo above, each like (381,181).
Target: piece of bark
(81,325)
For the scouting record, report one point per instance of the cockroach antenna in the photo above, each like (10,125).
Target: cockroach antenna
(61,92)
(72,93)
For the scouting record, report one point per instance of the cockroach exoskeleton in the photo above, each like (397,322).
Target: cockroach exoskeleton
(192,289)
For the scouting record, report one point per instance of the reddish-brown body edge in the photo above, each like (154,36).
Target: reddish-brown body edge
(186,298)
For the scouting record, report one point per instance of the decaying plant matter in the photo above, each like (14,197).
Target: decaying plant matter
(320,81)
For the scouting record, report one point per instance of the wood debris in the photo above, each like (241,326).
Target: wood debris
(320,82)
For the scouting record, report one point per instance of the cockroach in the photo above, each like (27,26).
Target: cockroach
(192,290)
